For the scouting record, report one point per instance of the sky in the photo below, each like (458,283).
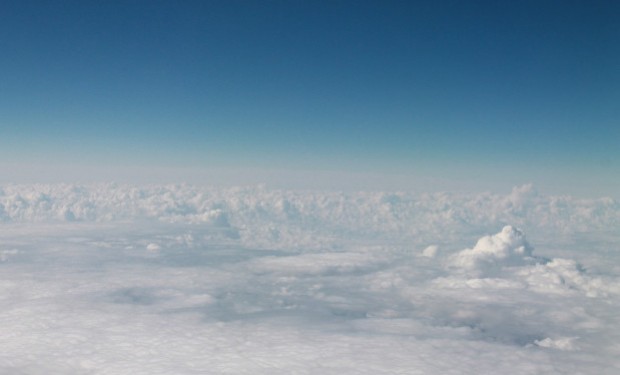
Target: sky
(396,94)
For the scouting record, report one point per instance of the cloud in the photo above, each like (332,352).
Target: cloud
(430,251)
(280,218)
(492,254)
(186,279)
(566,276)
(563,343)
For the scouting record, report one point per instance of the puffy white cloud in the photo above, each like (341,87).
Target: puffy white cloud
(563,343)
(566,276)
(153,247)
(430,251)
(492,254)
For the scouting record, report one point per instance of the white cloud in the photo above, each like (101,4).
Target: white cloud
(183,279)
(492,254)
(153,247)
(563,343)
(430,251)
(566,276)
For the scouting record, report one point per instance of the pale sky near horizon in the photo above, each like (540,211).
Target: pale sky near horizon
(480,93)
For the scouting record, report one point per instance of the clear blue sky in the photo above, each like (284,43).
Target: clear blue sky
(447,89)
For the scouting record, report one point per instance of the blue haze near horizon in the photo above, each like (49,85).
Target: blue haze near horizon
(523,91)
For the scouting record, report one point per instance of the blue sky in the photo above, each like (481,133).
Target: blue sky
(439,90)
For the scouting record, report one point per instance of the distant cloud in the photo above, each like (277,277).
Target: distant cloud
(491,253)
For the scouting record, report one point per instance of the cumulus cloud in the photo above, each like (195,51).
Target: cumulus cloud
(563,343)
(430,251)
(492,254)
(153,247)
(506,260)
(566,276)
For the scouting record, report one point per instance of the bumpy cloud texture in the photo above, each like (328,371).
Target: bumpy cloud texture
(109,279)
(292,215)
(491,254)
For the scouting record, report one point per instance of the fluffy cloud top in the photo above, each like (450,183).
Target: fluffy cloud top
(279,218)
(491,254)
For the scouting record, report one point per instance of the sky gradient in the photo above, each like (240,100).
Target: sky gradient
(461,92)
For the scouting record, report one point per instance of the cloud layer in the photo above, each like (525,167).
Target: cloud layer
(270,216)
(109,279)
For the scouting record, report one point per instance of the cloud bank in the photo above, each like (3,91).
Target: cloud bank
(118,279)
(270,216)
